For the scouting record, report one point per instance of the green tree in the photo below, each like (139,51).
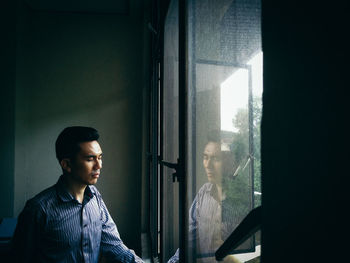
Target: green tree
(238,189)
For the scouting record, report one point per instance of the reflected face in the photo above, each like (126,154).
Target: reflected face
(86,166)
(212,162)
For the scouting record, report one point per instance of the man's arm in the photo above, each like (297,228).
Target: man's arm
(112,246)
(24,244)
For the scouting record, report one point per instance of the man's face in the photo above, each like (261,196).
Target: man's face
(86,166)
(212,162)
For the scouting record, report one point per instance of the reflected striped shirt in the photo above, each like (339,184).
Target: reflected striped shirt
(55,227)
(210,223)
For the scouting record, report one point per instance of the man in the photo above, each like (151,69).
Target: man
(69,222)
(211,217)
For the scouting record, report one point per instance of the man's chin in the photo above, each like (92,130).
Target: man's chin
(92,182)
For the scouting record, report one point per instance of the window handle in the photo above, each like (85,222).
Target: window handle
(174,166)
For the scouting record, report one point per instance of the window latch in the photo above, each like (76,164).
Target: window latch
(174,166)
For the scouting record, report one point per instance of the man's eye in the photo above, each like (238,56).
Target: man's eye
(216,159)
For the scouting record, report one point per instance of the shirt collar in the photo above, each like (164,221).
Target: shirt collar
(65,196)
(210,187)
(213,191)
(89,191)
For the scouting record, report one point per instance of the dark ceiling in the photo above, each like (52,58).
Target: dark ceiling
(120,7)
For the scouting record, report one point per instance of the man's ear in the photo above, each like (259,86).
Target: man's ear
(66,165)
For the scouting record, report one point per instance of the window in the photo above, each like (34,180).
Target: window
(211,111)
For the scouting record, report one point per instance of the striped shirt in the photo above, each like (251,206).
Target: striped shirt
(55,227)
(210,223)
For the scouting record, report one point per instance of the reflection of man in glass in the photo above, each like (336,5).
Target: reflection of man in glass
(212,162)
(212,217)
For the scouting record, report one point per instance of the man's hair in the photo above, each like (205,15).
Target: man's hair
(67,143)
(214,136)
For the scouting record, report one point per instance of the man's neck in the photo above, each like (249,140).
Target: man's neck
(219,188)
(217,192)
(76,189)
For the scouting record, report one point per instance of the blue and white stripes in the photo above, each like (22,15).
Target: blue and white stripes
(55,227)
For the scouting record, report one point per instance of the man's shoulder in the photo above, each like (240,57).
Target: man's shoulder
(207,187)
(43,198)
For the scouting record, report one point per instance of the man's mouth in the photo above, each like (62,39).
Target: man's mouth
(96,175)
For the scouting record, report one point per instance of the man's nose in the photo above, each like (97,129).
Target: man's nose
(98,164)
(209,162)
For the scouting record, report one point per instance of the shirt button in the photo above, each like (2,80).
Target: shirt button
(85,225)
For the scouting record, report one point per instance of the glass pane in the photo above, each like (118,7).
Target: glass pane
(225,84)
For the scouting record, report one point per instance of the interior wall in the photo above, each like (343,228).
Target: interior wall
(81,69)
(147,73)
(7,105)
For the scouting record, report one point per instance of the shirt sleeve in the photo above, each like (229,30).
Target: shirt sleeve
(112,246)
(192,229)
(25,241)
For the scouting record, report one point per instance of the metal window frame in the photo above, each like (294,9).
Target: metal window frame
(157,112)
